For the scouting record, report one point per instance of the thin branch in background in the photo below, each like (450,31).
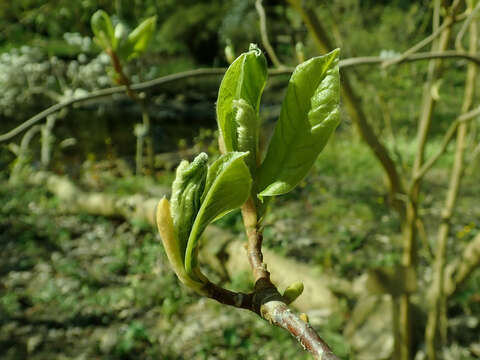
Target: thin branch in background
(373,60)
(424,239)
(22,153)
(436,33)
(463,29)
(409,227)
(163,80)
(463,266)
(264,34)
(445,141)
(473,158)
(105,93)
(436,329)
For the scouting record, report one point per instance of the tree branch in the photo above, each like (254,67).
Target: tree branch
(463,29)
(461,269)
(449,21)
(168,79)
(446,140)
(264,34)
(373,60)
(268,302)
(278,313)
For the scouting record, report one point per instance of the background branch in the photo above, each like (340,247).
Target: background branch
(445,141)
(264,34)
(198,73)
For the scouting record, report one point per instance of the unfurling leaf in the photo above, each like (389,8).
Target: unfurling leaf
(170,243)
(200,195)
(123,48)
(140,37)
(187,190)
(239,101)
(247,123)
(309,115)
(292,292)
(103,30)
(227,187)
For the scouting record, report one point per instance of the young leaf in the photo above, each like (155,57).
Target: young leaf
(246,120)
(187,189)
(240,92)
(308,117)
(170,243)
(227,187)
(140,36)
(103,30)
(293,291)
(123,48)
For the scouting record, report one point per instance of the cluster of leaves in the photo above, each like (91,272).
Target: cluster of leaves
(202,193)
(127,45)
(119,43)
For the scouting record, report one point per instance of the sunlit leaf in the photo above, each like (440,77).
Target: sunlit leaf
(309,115)
(187,190)
(103,30)
(238,103)
(140,36)
(227,187)
(171,245)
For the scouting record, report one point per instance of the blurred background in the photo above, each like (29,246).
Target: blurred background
(83,274)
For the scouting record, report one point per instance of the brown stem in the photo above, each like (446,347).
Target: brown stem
(227,297)
(254,242)
(267,301)
(278,313)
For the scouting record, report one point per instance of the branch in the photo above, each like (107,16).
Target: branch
(373,60)
(466,23)
(446,140)
(419,45)
(470,260)
(264,34)
(450,20)
(268,302)
(202,72)
(277,313)
(108,92)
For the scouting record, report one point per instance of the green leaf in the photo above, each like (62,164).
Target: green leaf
(171,245)
(239,101)
(139,38)
(103,30)
(292,292)
(309,115)
(227,187)
(187,190)
(123,48)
